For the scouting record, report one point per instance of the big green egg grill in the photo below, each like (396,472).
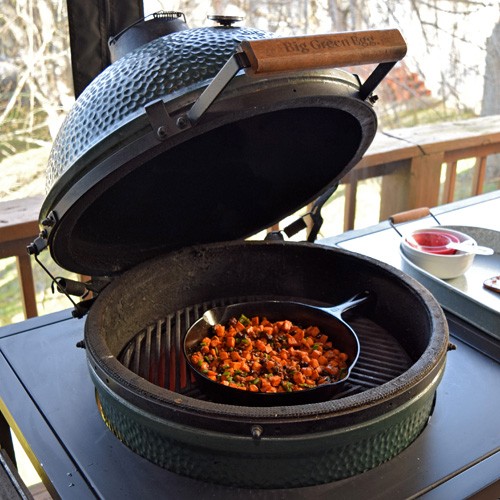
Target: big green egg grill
(167,162)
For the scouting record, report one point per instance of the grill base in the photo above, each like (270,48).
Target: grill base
(155,354)
(289,462)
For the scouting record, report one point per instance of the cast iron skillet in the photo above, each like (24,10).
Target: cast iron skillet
(327,319)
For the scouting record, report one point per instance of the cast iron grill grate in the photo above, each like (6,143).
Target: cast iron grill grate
(155,353)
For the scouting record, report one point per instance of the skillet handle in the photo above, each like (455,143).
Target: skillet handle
(357,299)
(335,50)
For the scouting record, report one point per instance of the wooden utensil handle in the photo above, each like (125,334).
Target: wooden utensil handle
(324,51)
(410,215)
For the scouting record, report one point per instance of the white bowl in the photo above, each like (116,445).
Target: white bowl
(441,266)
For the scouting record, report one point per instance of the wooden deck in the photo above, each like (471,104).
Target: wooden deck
(39,492)
(12,486)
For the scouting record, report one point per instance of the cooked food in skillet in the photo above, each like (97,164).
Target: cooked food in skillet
(260,356)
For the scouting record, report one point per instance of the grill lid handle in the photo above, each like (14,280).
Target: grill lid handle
(324,51)
(275,55)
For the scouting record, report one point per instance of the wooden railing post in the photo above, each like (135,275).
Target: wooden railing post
(395,189)
(478,176)
(27,283)
(350,204)
(449,183)
(18,228)
(425,180)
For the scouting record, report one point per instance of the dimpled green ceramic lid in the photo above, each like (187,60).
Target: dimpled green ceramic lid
(122,192)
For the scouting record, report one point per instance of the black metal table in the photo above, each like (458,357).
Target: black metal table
(47,398)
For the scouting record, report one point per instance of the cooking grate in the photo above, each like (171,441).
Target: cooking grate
(155,353)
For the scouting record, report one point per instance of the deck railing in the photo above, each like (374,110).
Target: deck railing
(409,161)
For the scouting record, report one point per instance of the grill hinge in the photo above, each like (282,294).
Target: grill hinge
(312,220)
(162,123)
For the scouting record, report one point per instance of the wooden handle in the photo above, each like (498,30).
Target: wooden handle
(324,51)
(409,215)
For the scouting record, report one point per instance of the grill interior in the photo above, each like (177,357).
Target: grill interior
(155,353)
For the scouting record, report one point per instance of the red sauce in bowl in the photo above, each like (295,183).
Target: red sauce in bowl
(432,242)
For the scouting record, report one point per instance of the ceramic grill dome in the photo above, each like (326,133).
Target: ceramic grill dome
(135,143)
(180,62)
(126,145)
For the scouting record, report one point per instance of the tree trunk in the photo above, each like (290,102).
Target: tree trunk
(491,96)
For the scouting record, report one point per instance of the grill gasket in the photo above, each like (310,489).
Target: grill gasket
(155,353)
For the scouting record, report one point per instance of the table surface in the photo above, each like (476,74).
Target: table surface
(465,295)
(48,399)
(381,241)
